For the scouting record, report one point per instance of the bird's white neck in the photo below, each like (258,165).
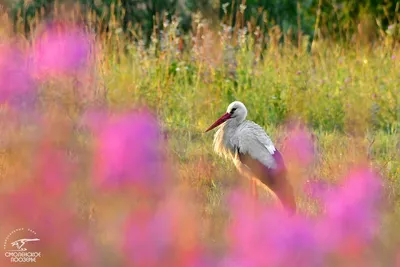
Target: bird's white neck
(222,138)
(229,129)
(232,123)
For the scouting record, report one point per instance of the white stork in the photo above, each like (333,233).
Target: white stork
(252,152)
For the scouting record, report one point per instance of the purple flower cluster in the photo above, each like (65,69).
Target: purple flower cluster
(60,49)
(17,87)
(298,145)
(128,153)
(266,236)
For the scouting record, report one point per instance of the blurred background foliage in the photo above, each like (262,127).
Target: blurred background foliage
(336,18)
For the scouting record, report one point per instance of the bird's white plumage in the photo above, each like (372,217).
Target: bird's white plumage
(251,139)
(238,134)
(248,138)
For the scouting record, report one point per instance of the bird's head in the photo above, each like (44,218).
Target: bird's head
(236,111)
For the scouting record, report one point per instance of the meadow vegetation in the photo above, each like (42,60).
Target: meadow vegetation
(346,94)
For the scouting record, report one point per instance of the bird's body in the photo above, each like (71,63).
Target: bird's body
(252,152)
(245,138)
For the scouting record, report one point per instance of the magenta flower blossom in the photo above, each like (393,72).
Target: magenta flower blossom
(57,227)
(162,235)
(17,87)
(265,236)
(81,251)
(42,204)
(148,238)
(298,146)
(128,153)
(352,210)
(61,49)
(53,174)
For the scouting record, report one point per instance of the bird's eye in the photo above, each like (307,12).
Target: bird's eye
(233,110)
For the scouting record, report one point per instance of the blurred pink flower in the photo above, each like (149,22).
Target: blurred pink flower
(265,236)
(42,205)
(53,173)
(352,211)
(17,87)
(44,193)
(148,238)
(298,145)
(81,251)
(162,235)
(128,153)
(62,238)
(61,49)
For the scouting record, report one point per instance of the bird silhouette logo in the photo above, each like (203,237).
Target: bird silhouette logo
(16,248)
(21,242)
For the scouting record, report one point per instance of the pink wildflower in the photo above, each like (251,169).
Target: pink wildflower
(61,49)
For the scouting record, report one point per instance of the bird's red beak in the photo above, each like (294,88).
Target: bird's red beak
(221,120)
